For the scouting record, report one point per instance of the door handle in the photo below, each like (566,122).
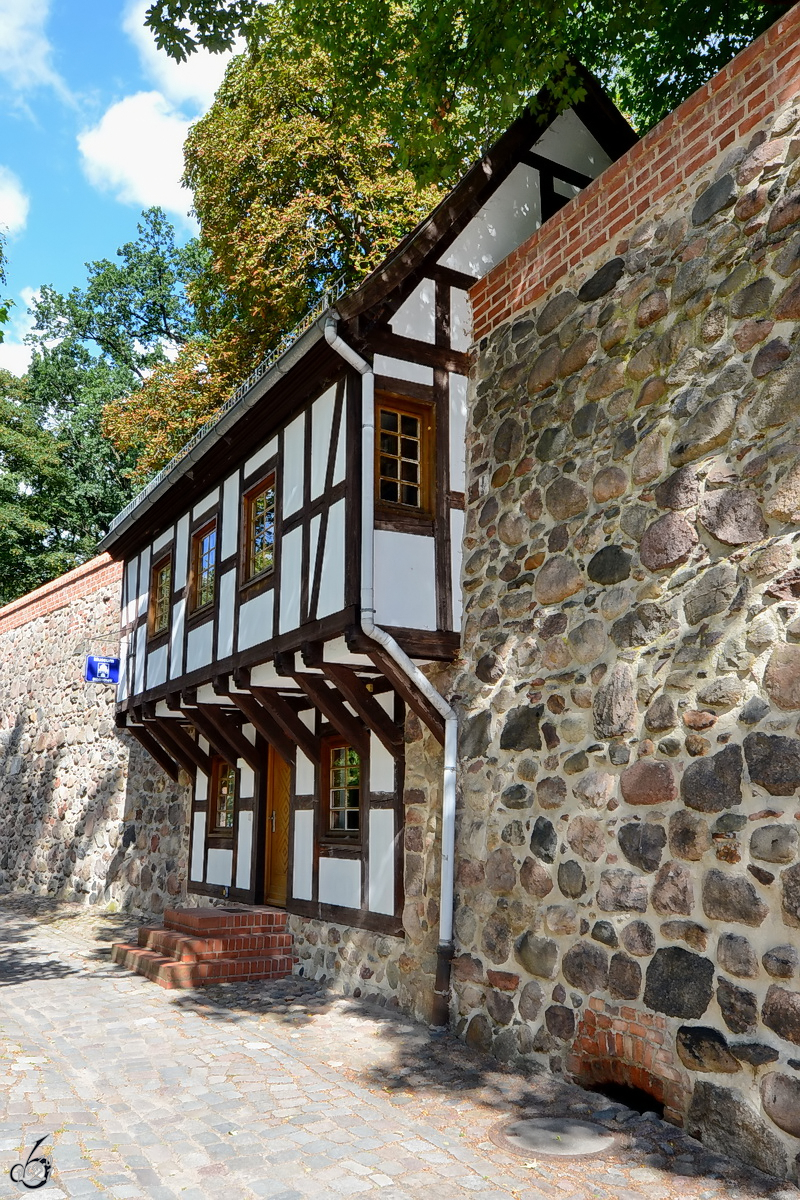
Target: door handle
(272,820)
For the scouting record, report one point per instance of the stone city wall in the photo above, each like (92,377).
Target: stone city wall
(86,813)
(629,840)
(399,971)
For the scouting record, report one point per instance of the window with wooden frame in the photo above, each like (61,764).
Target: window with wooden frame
(258,526)
(340,792)
(160,596)
(222,797)
(404,456)
(204,566)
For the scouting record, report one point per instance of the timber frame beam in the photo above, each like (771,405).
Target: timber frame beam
(263,722)
(174,737)
(406,690)
(155,750)
(331,705)
(356,693)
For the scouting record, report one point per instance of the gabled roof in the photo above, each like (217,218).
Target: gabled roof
(303,360)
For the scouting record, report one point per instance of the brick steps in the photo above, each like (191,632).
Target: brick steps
(210,945)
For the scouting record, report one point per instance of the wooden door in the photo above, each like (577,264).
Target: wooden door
(276,859)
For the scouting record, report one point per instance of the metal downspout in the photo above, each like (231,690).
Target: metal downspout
(440,1014)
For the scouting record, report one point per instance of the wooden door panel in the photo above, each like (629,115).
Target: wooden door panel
(279,787)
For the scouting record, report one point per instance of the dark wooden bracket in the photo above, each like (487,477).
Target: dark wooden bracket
(155,750)
(283,662)
(288,720)
(263,723)
(406,690)
(330,704)
(230,733)
(356,693)
(184,748)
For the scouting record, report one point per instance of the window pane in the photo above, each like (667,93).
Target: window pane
(409,426)
(205,562)
(388,491)
(389,467)
(162,597)
(400,457)
(388,419)
(410,495)
(261,532)
(226,792)
(344,790)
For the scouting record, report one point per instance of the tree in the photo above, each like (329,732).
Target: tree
(5,304)
(292,190)
(460,69)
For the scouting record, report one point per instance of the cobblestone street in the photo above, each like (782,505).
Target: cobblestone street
(283,1091)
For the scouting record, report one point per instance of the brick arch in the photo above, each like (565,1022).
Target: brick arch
(619,1044)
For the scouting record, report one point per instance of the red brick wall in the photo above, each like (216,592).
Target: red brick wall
(659,167)
(619,1044)
(87,578)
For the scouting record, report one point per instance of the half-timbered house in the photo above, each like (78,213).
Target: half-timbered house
(290,571)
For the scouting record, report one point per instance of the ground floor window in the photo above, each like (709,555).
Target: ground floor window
(223,796)
(341,792)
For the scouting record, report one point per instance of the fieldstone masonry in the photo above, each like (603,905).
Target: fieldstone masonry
(86,813)
(629,842)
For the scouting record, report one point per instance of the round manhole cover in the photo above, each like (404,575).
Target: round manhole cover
(563,1137)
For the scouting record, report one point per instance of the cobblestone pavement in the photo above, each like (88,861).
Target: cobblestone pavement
(282,1091)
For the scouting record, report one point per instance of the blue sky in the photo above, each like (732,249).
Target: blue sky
(92,119)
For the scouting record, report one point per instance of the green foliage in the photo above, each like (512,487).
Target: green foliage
(5,303)
(448,75)
(292,189)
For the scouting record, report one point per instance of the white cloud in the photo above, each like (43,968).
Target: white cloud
(14,203)
(192,83)
(15,356)
(26,58)
(135,152)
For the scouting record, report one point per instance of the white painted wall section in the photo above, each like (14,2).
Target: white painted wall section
(130,591)
(265,675)
(180,563)
(321,426)
(227,600)
(201,781)
(381,766)
(122,683)
(247,780)
(198,846)
(460,319)
(293,459)
(416,316)
(219,867)
(398,368)
(176,638)
(340,882)
(144,581)
(568,141)
(313,541)
(261,457)
(157,667)
(200,646)
(162,540)
(255,620)
(141,642)
(331,590)
(456,554)
(206,504)
(405,580)
(230,516)
(381,860)
(302,875)
(291,552)
(458,432)
(244,849)
(510,216)
(303,775)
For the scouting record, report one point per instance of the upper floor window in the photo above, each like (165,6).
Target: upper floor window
(204,566)
(341,791)
(160,595)
(223,796)
(259,529)
(403,468)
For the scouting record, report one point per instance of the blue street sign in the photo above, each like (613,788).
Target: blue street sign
(101,669)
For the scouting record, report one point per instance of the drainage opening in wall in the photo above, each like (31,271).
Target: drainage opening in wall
(632,1097)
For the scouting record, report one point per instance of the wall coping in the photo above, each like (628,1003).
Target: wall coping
(81,581)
